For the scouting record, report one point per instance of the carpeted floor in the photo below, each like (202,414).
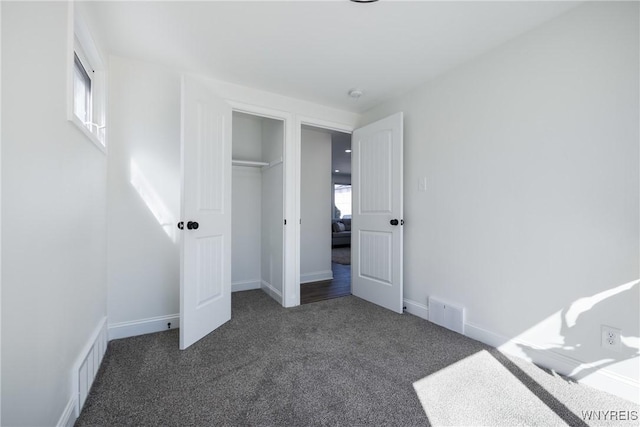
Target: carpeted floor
(338,362)
(341,255)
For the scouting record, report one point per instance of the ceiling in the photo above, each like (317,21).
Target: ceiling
(318,50)
(340,159)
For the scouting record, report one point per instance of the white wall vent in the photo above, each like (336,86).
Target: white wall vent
(89,362)
(447,315)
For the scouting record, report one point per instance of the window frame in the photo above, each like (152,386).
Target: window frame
(85,72)
(82,46)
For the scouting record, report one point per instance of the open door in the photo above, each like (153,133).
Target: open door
(205,252)
(376,228)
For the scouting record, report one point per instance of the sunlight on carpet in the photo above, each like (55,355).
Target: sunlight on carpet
(479,390)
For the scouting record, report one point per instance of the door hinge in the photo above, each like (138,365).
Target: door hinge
(285,222)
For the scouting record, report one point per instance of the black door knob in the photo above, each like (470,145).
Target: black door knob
(394,222)
(181,225)
(192,225)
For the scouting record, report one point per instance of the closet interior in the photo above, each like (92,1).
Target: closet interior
(257,204)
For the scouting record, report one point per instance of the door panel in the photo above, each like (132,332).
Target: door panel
(375,173)
(377,200)
(205,255)
(376,256)
(210,279)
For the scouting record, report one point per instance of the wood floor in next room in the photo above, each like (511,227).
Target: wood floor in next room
(340,286)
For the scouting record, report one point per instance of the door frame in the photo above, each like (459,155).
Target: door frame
(288,192)
(297,147)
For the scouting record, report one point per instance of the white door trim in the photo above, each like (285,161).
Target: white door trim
(256,110)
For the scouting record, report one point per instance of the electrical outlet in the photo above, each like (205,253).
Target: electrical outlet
(611,338)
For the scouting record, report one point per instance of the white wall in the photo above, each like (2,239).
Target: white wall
(272,140)
(53,220)
(246,228)
(274,101)
(247,137)
(246,204)
(315,206)
(531,211)
(143,195)
(144,103)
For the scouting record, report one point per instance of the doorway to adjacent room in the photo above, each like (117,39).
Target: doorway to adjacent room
(325,230)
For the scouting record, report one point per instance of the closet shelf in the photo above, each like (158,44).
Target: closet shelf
(248,163)
(251,163)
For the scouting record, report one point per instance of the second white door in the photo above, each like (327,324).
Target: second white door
(205,255)
(376,233)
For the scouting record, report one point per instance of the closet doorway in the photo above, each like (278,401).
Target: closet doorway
(257,236)
(325,211)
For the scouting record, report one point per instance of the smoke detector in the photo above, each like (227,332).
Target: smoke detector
(356,93)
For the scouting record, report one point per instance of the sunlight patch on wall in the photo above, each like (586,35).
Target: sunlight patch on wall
(572,336)
(153,201)
(583,305)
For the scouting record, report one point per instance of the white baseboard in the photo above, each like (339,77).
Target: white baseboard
(613,383)
(416,309)
(272,292)
(143,326)
(603,379)
(83,373)
(68,417)
(245,286)
(316,276)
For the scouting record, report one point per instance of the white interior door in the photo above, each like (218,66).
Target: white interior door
(376,228)
(205,255)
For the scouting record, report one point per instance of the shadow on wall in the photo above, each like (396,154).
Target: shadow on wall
(153,201)
(577,324)
(482,387)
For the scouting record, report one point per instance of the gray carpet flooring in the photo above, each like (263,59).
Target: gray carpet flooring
(338,362)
